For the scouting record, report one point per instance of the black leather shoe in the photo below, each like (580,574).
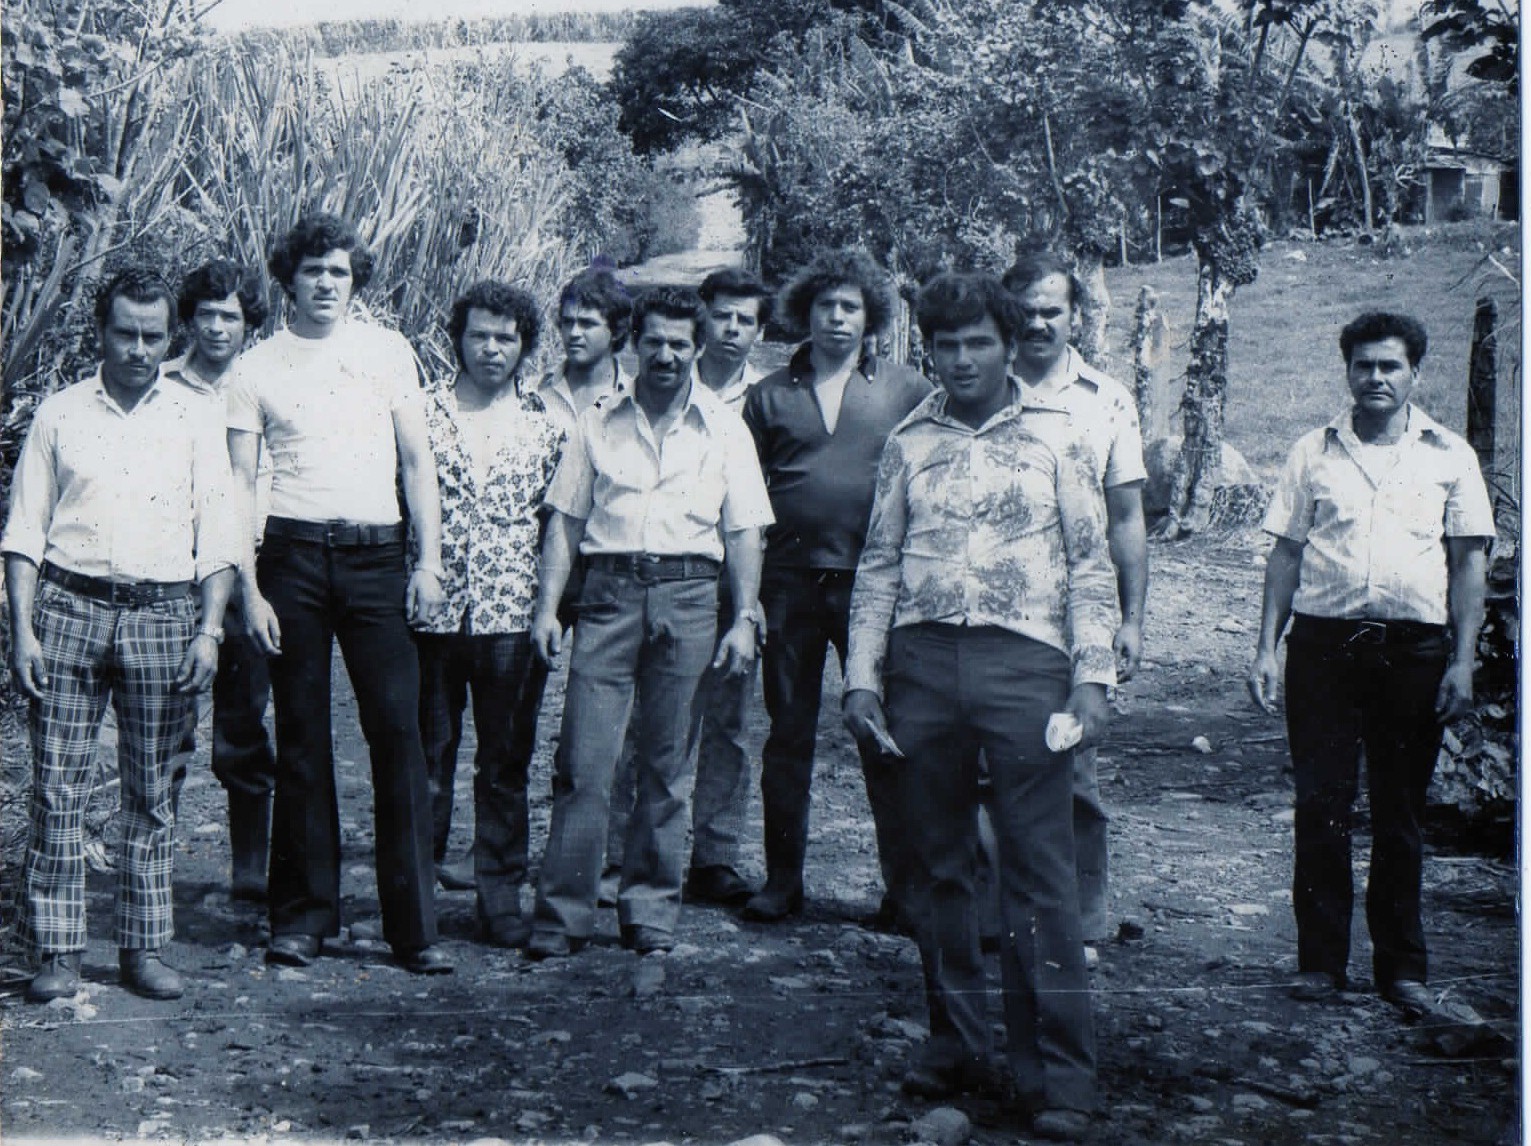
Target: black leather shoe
(773,904)
(1410,996)
(505,931)
(57,978)
(936,1083)
(889,918)
(1313,987)
(145,973)
(423,960)
(293,950)
(717,883)
(457,876)
(551,945)
(647,940)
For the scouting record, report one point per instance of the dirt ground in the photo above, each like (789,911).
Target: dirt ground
(801,1031)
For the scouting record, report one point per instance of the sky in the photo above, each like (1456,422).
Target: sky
(234,14)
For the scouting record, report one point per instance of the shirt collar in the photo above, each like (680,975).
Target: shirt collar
(933,409)
(800,365)
(735,390)
(1421,427)
(180,369)
(701,403)
(98,388)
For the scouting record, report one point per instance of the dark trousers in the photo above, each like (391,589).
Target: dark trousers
(1343,699)
(954,692)
(242,758)
(806,611)
(494,666)
(321,593)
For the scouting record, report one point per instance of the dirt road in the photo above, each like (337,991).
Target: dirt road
(802,1031)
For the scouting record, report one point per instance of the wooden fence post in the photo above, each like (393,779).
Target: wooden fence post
(1483,384)
(1146,324)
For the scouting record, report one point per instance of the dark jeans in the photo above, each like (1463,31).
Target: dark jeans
(806,611)
(321,593)
(494,666)
(1341,700)
(242,758)
(954,692)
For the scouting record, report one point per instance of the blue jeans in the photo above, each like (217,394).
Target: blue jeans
(355,594)
(953,692)
(652,641)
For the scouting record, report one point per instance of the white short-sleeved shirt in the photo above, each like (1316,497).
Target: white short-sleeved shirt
(325,408)
(637,494)
(1100,411)
(1373,523)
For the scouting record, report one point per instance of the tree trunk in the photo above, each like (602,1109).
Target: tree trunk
(1197,469)
(1094,311)
(1354,129)
(1147,323)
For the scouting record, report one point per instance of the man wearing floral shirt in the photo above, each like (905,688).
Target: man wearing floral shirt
(984,604)
(496,450)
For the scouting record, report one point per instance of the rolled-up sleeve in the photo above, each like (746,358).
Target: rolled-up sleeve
(572,490)
(217,522)
(746,504)
(1092,597)
(34,491)
(879,573)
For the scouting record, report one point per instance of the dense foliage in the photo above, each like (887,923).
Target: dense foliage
(335,38)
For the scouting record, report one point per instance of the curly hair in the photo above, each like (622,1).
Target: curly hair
(316,235)
(1033,266)
(136,284)
(1375,325)
(670,302)
(503,301)
(849,267)
(950,301)
(214,281)
(598,289)
(736,282)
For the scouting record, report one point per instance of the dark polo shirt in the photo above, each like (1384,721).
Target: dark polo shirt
(821,484)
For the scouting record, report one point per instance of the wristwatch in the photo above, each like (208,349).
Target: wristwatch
(216,634)
(753,617)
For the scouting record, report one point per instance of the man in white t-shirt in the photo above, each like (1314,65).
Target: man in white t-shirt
(338,406)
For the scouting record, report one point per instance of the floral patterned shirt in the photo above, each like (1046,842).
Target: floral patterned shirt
(991,526)
(490,530)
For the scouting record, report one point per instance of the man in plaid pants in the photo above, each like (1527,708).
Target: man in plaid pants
(120,509)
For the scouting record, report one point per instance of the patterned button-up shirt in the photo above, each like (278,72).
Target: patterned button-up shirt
(489,525)
(1100,411)
(1372,522)
(984,527)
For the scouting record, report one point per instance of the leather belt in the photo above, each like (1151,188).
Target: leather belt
(341,534)
(119,594)
(649,568)
(1351,631)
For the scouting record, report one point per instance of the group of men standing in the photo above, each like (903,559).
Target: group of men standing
(975,552)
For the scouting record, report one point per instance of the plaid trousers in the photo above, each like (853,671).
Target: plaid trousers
(92,651)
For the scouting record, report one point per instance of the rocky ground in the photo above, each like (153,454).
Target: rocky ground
(801,1031)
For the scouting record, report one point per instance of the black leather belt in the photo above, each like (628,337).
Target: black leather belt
(1349,631)
(120,594)
(342,534)
(649,568)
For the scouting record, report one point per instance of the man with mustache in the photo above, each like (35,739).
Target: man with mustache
(336,403)
(222,304)
(819,426)
(120,515)
(658,486)
(1381,521)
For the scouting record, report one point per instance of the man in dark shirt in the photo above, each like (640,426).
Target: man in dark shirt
(819,426)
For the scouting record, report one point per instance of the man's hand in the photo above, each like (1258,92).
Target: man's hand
(1265,680)
(547,637)
(27,664)
(424,596)
(1128,646)
(260,620)
(1455,696)
(1088,704)
(736,651)
(865,721)
(198,666)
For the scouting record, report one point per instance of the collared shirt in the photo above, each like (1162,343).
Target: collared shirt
(1373,523)
(1100,411)
(821,483)
(559,402)
(489,525)
(180,370)
(984,527)
(738,388)
(639,494)
(132,495)
(324,408)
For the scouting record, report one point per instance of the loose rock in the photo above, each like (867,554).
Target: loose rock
(944,1126)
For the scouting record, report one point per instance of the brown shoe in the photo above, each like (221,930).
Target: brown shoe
(145,973)
(57,978)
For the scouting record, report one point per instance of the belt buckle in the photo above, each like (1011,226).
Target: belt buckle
(130,596)
(1369,633)
(334,532)
(646,568)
